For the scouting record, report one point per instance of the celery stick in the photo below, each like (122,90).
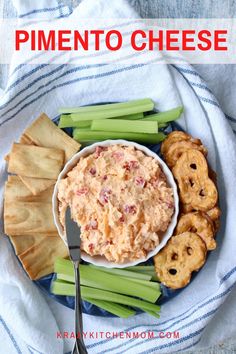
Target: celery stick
(59,288)
(110,110)
(141,268)
(122,272)
(115,309)
(102,280)
(117,298)
(151,313)
(134,116)
(66,277)
(120,125)
(67,122)
(151,284)
(88,135)
(162,125)
(164,117)
(150,270)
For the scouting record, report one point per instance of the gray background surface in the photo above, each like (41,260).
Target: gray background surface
(170,9)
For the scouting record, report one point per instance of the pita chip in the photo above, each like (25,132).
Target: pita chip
(37,185)
(43,132)
(22,243)
(35,161)
(15,190)
(39,259)
(27,218)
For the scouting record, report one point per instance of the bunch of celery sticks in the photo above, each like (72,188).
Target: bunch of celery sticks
(118,291)
(132,120)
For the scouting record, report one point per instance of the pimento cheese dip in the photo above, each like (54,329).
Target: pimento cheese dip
(121,200)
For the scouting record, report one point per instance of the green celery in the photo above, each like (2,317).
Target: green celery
(115,309)
(84,136)
(151,284)
(134,116)
(66,277)
(59,288)
(165,117)
(141,268)
(122,272)
(67,122)
(150,270)
(162,125)
(102,280)
(151,313)
(111,109)
(126,126)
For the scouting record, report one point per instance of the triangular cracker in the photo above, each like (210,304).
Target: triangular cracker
(39,259)
(15,190)
(43,132)
(37,185)
(35,161)
(27,218)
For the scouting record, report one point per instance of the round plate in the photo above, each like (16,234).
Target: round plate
(44,283)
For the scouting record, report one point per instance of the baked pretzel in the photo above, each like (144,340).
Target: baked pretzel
(195,187)
(199,223)
(182,255)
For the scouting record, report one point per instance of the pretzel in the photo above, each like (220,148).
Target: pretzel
(177,149)
(214,215)
(195,187)
(183,254)
(199,223)
(172,138)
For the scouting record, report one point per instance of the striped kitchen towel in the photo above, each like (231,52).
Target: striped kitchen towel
(29,322)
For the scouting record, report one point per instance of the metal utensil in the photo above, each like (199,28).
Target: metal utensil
(73,241)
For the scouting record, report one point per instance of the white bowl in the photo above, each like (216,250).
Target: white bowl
(100,260)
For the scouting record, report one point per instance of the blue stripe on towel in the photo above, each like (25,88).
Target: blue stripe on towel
(187,325)
(31,72)
(108,73)
(188,347)
(46,9)
(33,349)
(10,335)
(46,75)
(230,118)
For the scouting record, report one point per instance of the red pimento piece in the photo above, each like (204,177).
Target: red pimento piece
(130,209)
(104,195)
(92,171)
(109,242)
(118,155)
(99,149)
(104,177)
(131,165)
(91,247)
(170,205)
(140,181)
(82,191)
(122,219)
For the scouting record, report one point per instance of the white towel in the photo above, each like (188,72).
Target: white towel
(29,320)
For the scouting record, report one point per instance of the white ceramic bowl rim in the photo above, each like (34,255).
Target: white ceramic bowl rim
(99,260)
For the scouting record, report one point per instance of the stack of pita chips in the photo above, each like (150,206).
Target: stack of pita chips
(35,163)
